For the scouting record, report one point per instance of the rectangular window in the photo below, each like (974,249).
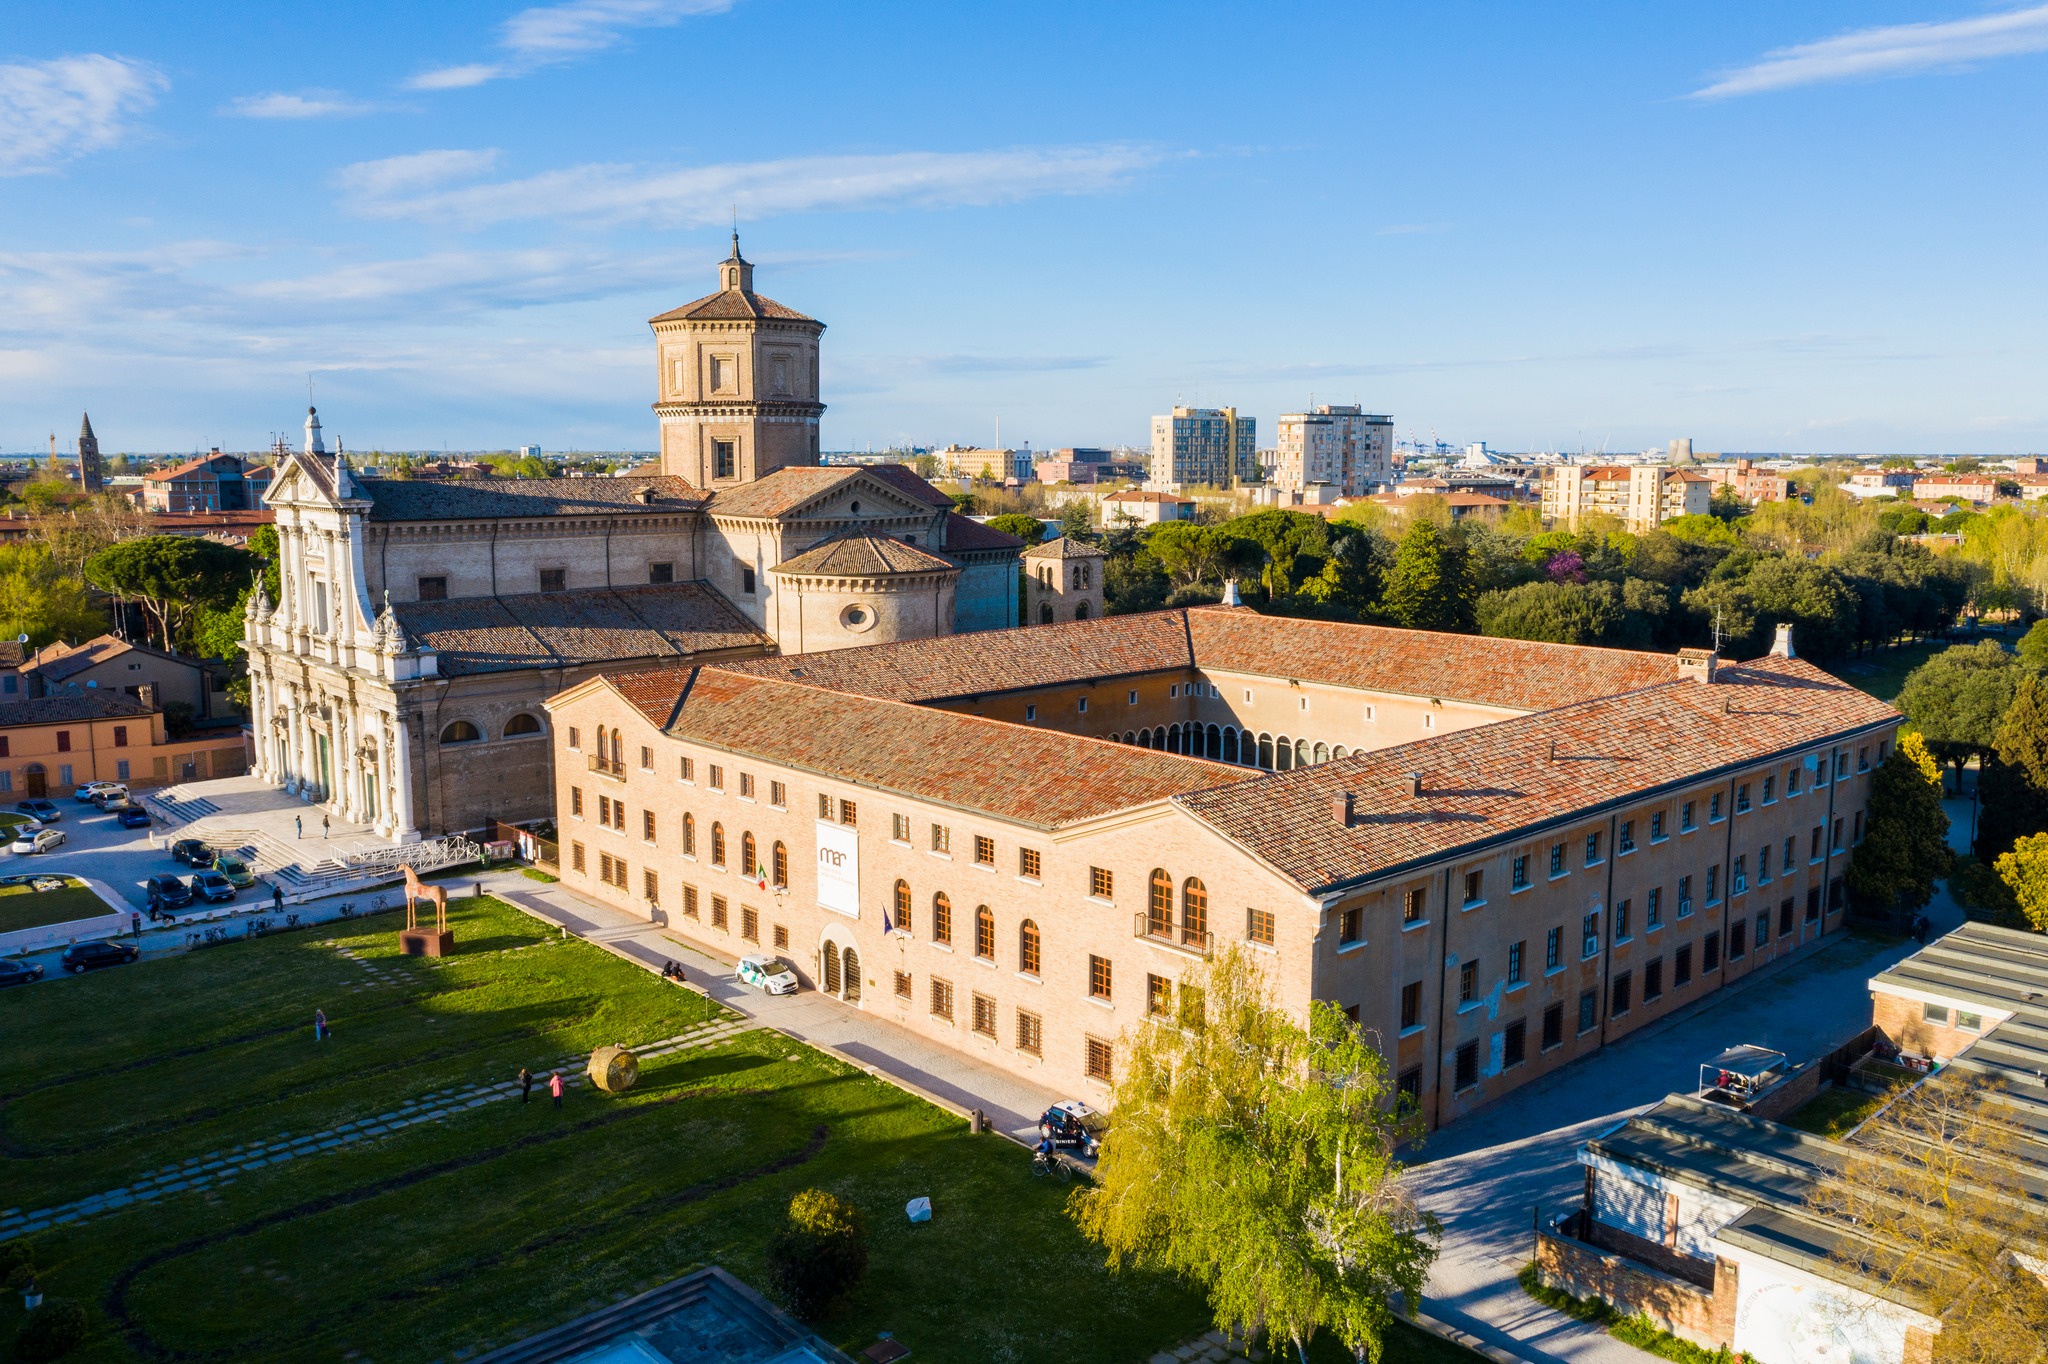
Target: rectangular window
(434,589)
(576,857)
(942,999)
(121,741)
(1685,823)
(1657,834)
(1785,919)
(1258,926)
(1710,952)
(687,769)
(1557,859)
(1467,1070)
(1814,855)
(1681,967)
(750,923)
(650,887)
(1593,849)
(899,828)
(1521,873)
(1409,1088)
(984,1016)
(1411,1005)
(1514,1044)
(1813,904)
(1553,1027)
(1713,885)
(1030,714)
(1741,879)
(1625,841)
(1684,896)
(658,574)
(724,463)
(1589,1011)
(554,580)
(714,775)
(1742,799)
(942,839)
(719,919)
(1653,908)
(1100,882)
(1468,982)
(1350,926)
(902,984)
(1621,910)
(1099,1058)
(778,795)
(1738,937)
(1968,1021)
(781,938)
(984,851)
(1792,782)
(1158,996)
(1770,795)
(689,902)
(746,786)
(1622,984)
(1028,863)
(63,741)
(576,741)
(1763,865)
(1589,932)
(1553,949)
(1030,1033)
(1413,905)
(1934,1013)
(1515,951)
(647,825)
(1653,980)
(120,769)
(1475,886)
(824,807)
(1791,852)
(1098,977)
(849,814)
(1837,845)
(1714,808)
(646,759)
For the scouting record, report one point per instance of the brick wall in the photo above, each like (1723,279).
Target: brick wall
(1683,1309)
(1699,1273)
(1904,1021)
(1800,1085)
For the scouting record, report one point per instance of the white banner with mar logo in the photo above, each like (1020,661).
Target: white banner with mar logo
(839,869)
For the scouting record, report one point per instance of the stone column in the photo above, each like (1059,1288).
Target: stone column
(259,725)
(386,827)
(404,829)
(294,747)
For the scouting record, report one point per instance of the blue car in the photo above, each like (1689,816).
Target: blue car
(132,817)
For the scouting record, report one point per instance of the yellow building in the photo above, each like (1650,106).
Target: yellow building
(52,745)
(1642,496)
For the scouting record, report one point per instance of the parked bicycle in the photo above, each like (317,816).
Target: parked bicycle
(1050,1163)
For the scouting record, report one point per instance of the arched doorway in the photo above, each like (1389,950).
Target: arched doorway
(850,969)
(831,959)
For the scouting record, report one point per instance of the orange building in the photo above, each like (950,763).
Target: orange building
(52,745)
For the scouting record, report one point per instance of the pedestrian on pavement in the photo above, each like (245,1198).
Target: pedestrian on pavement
(319,1025)
(325,823)
(555,1087)
(525,1084)
(298,826)
(276,897)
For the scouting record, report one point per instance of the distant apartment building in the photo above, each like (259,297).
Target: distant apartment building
(1978,488)
(989,465)
(1880,483)
(1132,507)
(1751,484)
(1643,496)
(1080,464)
(212,483)
(1203,447)
(1338,445)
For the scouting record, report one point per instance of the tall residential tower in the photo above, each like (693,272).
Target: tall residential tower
(1205,447)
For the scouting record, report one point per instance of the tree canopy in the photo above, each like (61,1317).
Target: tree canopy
(1905,836)
(173,577)
(1957,698)
(1029,529)
(1426,588)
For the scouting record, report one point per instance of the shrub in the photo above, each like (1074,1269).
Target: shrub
(54,1330)
(820,1252)
(15,1257)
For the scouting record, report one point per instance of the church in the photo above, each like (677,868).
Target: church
(399,679)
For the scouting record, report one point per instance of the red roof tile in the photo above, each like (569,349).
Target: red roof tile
(731,305)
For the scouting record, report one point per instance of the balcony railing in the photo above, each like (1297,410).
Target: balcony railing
(605,767)
(1199,941)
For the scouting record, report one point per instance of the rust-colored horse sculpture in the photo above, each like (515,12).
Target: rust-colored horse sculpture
(416,941)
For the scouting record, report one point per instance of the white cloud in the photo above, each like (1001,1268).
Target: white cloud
(547,34)
(699,195)
(55,110)
(310,104)
(1892,50)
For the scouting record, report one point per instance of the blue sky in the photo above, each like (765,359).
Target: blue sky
(1809,227)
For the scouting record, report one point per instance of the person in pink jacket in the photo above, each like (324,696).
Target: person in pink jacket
(555,1087)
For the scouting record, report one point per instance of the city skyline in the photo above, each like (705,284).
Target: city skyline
(1597,229)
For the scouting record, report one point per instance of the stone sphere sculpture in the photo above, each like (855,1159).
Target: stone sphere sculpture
(614,1069)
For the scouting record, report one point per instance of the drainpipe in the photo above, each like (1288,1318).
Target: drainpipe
(1606,1000)
(1443,973)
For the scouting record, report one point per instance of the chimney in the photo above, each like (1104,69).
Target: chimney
(1698,664)
(1230,597)
(1781,647)
(146,693)
(1342,807)
(1415,784)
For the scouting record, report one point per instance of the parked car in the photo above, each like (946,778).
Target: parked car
(767,974)
(90,956)
(167,892)
(98,790)
(39,810)
(212,887)
(111,800)
(1073,1123)
(132,817)
(19,972)
(36,841)
(235,869)
(192,853)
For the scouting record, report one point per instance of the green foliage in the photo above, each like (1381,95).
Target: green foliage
(2033,647)
(819,1254)
(1561,613)
(963,503)
(38,599)
(173,577)
(518,466)
(1702,530)
(1426,588)
(1077,520)
(46,493)
(1029,529)
(54,1330)
(2024,871)
(1199,554)
(1254,1157)
(16,1257)
(1905,837)
(178,717)
(1957,698)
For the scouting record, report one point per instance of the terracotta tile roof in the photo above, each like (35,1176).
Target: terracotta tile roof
(966,535)
(481,499)
(1133,495)
(787,489)
(861,554)
(553,629)
(1047,778)
(731,305)
(1513,674)
(1064,547)
(1481,785)
(990,661)
(12,653)
(98,704)
(55,667)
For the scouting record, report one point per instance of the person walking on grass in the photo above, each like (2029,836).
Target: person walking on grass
(525,1084)
(555,1087)
(319,1025)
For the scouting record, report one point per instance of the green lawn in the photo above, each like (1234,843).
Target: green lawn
(1883,671)
(1833,1112)
(27,907)
(484,1227)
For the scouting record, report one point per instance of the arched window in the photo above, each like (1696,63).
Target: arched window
(1172,744)
(1045,613)
(781,867)
(1213,742)
(690,835)
(1027,948)
(850,964)
(601,749)
(903,906)
(942,918)
(1283,754)
(618,752)
(1194,912)
(461,732)
(1230,743)
(1322,753)
(1159,737)
(750,858)
(1081,611)
(1144,738)
(717,845)
(1340,752)
(1266,752)
(1301,753)
(1159,905)
(521,724)
(984,933)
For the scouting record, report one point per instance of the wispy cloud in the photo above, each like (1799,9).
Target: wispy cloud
(53,111)
(427,185)
(1892,50)
(306,104)
(547,34)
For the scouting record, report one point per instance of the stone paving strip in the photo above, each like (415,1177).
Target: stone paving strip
(217,1169)
(1213,1348)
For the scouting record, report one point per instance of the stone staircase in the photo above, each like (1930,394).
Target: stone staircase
(284,861)
(724,1320)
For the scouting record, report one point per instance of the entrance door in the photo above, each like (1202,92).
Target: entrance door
(38,781)
(370,795)
(851,969)
(831,969)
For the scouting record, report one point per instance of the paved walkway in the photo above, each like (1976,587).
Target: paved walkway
(953,1080)
(1486,1175)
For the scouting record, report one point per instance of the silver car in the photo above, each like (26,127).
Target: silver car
(42,840)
